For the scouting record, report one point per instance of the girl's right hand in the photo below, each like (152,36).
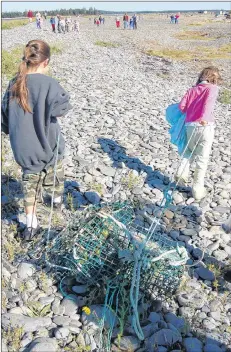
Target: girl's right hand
(203,123)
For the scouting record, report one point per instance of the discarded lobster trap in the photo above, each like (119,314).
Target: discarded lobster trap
(103,247)
(88,247)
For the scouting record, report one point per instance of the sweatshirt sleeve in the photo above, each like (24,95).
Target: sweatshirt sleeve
(184,102)
(61,102)
(5,112)
(209,103)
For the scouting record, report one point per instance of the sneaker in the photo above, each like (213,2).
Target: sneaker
(29,233)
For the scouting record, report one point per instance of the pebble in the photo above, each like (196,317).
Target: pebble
(42,344)
(164,337)
(128,343)
(29,324)
(62,333)
(212,348)
(205,274)
(25,270)
(70,305)
(192,344)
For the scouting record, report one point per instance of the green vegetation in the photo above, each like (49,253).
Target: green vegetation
(107,44)
(97,187)
(131,181)
(70,202)
(171,54)
(43,281)
(12,338)
(10,61)
(56,49)
(225,97)
(199,53)
(193,35)
(37,309)
(14,23)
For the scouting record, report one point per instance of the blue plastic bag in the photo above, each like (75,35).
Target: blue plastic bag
(178,130)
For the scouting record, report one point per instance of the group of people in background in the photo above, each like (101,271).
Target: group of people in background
(65,24)
(175,18)
(128,23)
(98,21)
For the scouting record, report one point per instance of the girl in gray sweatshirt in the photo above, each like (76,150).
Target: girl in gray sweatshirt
(30,108)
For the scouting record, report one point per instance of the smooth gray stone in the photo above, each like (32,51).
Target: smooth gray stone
(43,344)
(192,344)
(205,274)
(128,343)
(29,324)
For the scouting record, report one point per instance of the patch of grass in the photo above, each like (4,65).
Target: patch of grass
(171,54)
(225,97)
(22,287)
(57,220)
(10,61)
(13,338)
(43,280)
(56,49)
(131,181)
(80,348)
(70,202)
(4,302)
(107,44)
(9,250)
(198,53)
(37,309)
(97,187)
(14,23)
(193,35)
(196,24)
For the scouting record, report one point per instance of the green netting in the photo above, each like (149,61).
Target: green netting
(104,247)
(88,247)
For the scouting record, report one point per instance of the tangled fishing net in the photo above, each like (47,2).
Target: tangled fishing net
(104,247)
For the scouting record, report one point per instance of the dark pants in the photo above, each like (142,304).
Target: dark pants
(53,27)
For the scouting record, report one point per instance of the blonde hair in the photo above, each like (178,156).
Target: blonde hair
(210,74)
(35,52)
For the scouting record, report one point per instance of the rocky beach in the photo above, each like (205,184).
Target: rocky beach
(118,148)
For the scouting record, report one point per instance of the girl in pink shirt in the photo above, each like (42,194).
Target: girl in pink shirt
(198,105)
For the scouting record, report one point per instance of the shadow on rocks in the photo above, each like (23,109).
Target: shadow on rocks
(11,194)
(154,178)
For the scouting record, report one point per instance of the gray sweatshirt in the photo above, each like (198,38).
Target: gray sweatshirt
(33,137)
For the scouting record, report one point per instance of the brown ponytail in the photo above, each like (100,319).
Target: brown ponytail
(35,52)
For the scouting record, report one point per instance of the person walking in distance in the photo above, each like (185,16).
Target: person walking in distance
(125,21)
(30,15)
(76,26)
(177,18)
(38,17)
(117,22)
(134,21)
(30,107)
(52,22)
(198,105)
(62,25)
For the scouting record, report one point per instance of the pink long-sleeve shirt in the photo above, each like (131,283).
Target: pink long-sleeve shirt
(199,102)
